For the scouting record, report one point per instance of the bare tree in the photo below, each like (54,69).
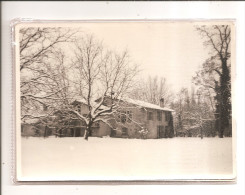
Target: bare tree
(206,79)
(200,115)
(179,107)
(193,112)
(217,67)
(152,90)
(101,79)
(36,44)
(38,49)
(49,92)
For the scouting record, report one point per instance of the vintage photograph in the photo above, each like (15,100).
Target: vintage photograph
(124,100)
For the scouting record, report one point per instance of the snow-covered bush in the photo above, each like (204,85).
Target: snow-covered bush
(143,133)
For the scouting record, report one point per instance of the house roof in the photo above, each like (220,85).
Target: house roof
(135,102)
(146,104)
(85,103)
(80,101)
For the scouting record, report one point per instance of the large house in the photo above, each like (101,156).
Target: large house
(134,119)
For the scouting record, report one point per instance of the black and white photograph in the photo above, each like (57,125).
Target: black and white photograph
(124,100)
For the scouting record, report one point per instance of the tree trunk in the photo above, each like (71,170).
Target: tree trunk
(45,131)
(201,132)
(60,132)
(217,107)
(86,134)
(87,131)
(225,105)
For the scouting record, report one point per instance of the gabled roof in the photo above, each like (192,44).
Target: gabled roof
(146,104)
(85,103)
(135,102)
(79,101)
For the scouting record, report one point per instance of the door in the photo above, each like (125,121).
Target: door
(77,132)
(124,131)
(161,131)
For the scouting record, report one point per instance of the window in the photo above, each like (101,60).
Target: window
(96,124)
(94,131)
(159,115)
(82,123)
(167,116)
(124,131)
(129,116)
(113,132)
(123,116)
(78,108)
(65,132)
(118,116)
(45,107)
(150,116)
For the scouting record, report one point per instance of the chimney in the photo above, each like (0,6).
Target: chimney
(162,102)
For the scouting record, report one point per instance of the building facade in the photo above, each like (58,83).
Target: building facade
(134,119)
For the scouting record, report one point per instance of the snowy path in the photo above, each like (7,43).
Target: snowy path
(114,158)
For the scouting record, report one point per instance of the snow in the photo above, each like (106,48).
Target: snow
(95,104)
(124,159)
(135,102)
(146,104)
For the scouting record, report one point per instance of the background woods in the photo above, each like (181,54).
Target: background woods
(206,110)
(214,76)
(152,90)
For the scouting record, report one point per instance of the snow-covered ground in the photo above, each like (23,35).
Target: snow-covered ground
(125,159)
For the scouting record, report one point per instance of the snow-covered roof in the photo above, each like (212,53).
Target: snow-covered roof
(135,102)
(146,104)
(80,101)
(31,120)
(94,103)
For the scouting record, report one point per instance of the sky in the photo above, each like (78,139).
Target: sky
(173,50)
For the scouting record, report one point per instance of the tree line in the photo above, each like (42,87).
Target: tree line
(208,105)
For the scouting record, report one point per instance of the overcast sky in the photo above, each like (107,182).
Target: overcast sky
(171,50)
